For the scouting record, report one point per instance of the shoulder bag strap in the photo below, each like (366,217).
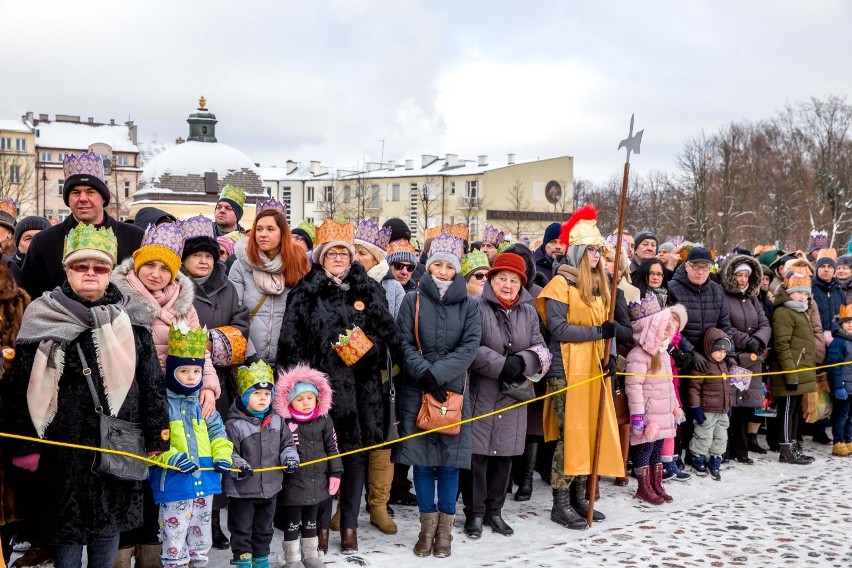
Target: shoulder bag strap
(417,323)
(87,372)
(391,388)
(257,307)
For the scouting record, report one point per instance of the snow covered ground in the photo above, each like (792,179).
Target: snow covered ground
(767,514)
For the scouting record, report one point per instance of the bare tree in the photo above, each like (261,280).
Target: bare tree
(518,204)
(430,204)
(17,179)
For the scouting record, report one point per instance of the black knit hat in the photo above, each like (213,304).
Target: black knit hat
(304,234)
(200,244)
(31,223)
(399,229)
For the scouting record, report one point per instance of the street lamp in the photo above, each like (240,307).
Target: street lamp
(43,193)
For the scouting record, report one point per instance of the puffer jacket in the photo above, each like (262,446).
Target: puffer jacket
(169,307)
(652,397)
(260,443)
(714,394)
(503,434)
(828,297)
(393,290)
(748,319)
(265,326)
(705,307)
(839,351)
(794,342)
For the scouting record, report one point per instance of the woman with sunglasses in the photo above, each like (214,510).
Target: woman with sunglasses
(48,396)
(334,297)
(474,268)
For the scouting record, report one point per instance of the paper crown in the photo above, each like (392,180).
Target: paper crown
(798,282)
(258,373)
(194,227)
(83,164)
(332,230)
(401,245)
(818,240)
(524,241)
(492,235)
(187,343)
(447,244)
(9,206)
(309,228)
(234,193)
(582,228)
(827,253)
(87,237)
(370,232)
(845,313)
(473,260)
(168,235)
(273,204)
(229,346)
(647,307)
(611,240)
(459,231)
(505,244)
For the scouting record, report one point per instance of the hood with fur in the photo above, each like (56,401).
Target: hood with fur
(649,332)
(300,374)
(180,306)
(730,283)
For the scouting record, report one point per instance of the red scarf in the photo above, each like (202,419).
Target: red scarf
(508,305)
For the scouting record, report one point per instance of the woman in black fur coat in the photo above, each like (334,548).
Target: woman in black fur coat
(335,296)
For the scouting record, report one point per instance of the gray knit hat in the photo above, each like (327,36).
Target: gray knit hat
(31,223)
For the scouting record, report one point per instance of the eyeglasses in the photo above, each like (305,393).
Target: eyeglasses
(99,269)
(656,274)
(403,266)
(699,267)
(480,275)
(342,255)
(593,250)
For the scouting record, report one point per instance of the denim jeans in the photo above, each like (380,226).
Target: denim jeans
(447,479)
(101,553)
(841,420)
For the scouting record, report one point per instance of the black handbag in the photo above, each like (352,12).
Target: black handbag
(392,426)
(118,435)
(522,391)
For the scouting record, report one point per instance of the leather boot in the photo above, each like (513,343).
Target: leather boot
(754,446)
(322,541)
(220,541)
(787,455)
(292,554)
(310,553)
(348,541)
(426,538)
(123,557)
(577,491)
(379,479)
(148,556)
(442,547)
(525,485)
(563,514)
(657,482)
(646,491)
(34,557)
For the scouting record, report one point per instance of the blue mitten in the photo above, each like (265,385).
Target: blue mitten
(245,471)
(183,463)
(700,417)
(841,394)
(223,467)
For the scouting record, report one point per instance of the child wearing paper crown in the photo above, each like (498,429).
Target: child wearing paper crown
(261,440)
(303,401)
(654,407)
(840,380)
(200,451)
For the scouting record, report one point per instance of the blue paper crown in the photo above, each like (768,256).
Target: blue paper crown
(447,244)
(370,232)
(271,204)
(168,235)
(647,307)
(198,226)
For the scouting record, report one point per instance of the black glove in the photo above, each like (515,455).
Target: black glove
(790,387)
(429,384)
(513,367)
(731,360)
(682,359)
(290,465)
(700,363)
(607,330)
(754,345)
(245,471)
(369,359)
(609,367)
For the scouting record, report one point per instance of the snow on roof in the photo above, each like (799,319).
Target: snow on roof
(80,136)
(150,150)
(301,173)
(13,125)
(439,167)
(196,158)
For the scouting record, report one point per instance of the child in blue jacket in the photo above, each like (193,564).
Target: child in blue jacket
(840,380)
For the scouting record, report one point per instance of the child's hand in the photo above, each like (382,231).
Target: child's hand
(637,424)
(245,471)
(700,417)
(223,467)
(291,465)
(207,398)
(183,463)
(841,394)
(678,416)
(333,485)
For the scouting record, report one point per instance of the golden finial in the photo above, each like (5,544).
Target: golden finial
(202,103)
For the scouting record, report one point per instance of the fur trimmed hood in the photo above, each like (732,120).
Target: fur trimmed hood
(300,374)
(180,306)
(729,282)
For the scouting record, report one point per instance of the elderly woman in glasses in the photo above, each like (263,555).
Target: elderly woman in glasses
(334,297)
(84,323)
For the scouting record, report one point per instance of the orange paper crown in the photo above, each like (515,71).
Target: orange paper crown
(401,245)
(432,232)
(332,230)
(846,311)
(459,231)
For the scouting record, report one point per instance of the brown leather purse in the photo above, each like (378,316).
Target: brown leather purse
(434,414)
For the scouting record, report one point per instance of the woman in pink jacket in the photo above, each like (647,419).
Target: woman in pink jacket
(654,408)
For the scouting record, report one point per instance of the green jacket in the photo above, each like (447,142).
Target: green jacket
(793,343)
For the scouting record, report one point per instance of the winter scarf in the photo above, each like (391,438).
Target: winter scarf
(301,417)
(267,276)
(442,286)
(800,307)
(379,271)
(56,319)
(338,280)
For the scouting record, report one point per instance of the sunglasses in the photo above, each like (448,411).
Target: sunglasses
(99,269)
(480,275)
(403,266)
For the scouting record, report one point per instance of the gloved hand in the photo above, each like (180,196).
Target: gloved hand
(700,363)
(245,471)
(290,465)
(731,360)
(429,384)
(792,387)
(679,416)
(609,367)
(28,462)
(333,485)
(513,367)
(637,423)
(839,394)
(700,417)
(607,330)
(730,412)
(223,467)
(682,359)
(754,345)
(369,359)
(183,463)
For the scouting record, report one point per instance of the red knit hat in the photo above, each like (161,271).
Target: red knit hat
(511,262)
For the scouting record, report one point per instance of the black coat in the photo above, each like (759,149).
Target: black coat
(15,263)
(309,485)
(543,265)
(63,497)
(42,270)
(705,308)
(318,311)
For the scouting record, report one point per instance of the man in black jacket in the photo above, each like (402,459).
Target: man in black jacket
(86,194)
(551,249)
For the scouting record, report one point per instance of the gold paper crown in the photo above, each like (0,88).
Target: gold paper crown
(459,231)
(798,282)
(845,312)
(9,206)
(258,373)
(332,230)
(401,245)
(87,237)
(187,343)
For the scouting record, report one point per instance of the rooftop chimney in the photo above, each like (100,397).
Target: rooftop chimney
(453,160)
(511,159)
(409,164)
(42,117)
(112,122)
(291,166)
(483,160)
(91,120)
(391,164)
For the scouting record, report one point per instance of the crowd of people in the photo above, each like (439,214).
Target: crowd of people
(238,354)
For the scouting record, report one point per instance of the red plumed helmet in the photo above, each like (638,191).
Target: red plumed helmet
(585,213)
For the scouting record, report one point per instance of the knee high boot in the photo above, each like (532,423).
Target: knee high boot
(524,491)
(148,556)
(379,479)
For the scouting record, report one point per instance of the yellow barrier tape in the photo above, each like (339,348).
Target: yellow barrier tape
(761,374)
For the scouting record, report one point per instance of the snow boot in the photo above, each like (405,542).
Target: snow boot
(442,547)
(787,455)
(379,479)
(562,513)
(524,492)
(263,562)
(646,492)
(322,541)
(699,465)
(754,446)
(840,449)
(577,492)
(310,553)
(244,560)
(220,541)
(673,472)
(426,538)
(800,450)
(292,555)
(657,482)
(715,467)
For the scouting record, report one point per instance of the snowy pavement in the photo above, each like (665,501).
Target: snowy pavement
(767,514)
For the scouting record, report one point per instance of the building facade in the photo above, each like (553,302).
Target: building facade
(18,165)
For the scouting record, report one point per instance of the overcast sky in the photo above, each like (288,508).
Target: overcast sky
(328,80)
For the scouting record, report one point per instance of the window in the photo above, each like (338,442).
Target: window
(122,161)
(45,156)
(328,193)
(474,225)
(21,144)
(61,183)
(127,189)
(63,214)
(473,189)
(347,193)
(431,191)
(452,188)
(395,192)
(15,174)
(309,220)
(60,156)
(5,143)
(309,194)
(375,197)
